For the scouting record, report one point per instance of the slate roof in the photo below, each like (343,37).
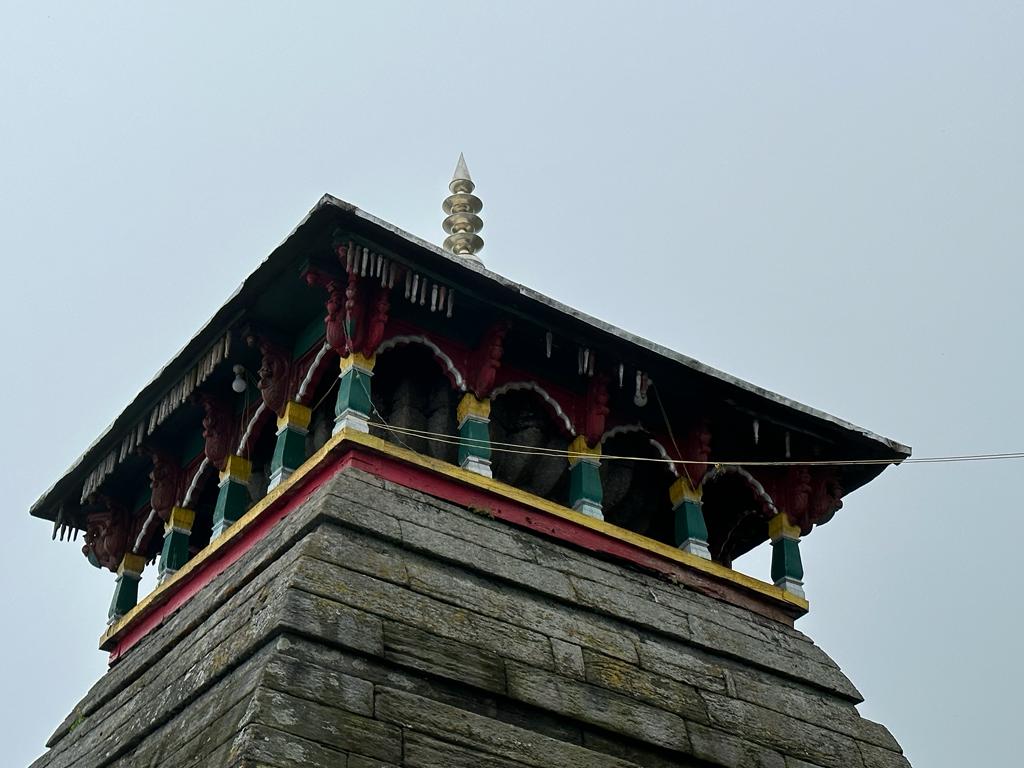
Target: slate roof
(331,212)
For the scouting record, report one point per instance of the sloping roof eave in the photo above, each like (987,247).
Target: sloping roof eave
(266,270)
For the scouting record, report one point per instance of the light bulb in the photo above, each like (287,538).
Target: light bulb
(239,385)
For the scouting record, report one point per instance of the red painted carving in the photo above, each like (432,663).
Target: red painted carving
(826,498)
(334,321)
(376,320)
(808,495)
(790,490)
(486,360)
(595,409)
(697,447)
(164,482)
(108,532)
(357,310)
(354,310)
(274,374)
(216,429)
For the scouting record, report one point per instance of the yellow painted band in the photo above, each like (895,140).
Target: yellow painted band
(131,563)
(776,594)
(682,490)
(579,450)
(237,468)
(779,527)
(181,518)
(358,360)
(496,486)
(295,415)
(471,405)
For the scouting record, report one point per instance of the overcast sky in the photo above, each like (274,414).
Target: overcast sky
(823,199)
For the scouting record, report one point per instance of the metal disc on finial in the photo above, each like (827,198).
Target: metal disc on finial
(462,222)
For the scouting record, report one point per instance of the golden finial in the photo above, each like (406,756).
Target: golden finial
(462,222)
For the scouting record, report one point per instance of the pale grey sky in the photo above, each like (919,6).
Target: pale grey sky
(822,198)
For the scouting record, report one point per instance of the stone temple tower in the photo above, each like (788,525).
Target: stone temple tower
(406,512)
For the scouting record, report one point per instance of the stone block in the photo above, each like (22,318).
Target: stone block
(309,681)
(568,659)
(597,706)
(461,663)
(440,618)
(334,728)
(492,737)
(782,733)
(641,685)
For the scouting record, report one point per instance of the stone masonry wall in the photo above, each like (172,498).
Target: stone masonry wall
(376,626)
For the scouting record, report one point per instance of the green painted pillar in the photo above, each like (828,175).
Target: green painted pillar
(787,569)
(691,532)
(232,494)
(126,588)
(290,449)
(354,406)
(585,494)
(177,530)
(474,434)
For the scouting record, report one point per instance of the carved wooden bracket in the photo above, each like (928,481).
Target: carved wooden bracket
(216,429)
(108,532)
(808,495)
(595,409)
(375,319)
(164,481)
(696,446)
(275,371)
(486,360)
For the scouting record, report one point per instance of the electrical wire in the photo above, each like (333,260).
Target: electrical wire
(517,448)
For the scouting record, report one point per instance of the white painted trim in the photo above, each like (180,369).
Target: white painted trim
(277,477)
(531,386)
(696,547)
(793,586)
(144,530)
(187,501)
(625,429)
(664,454)
(248,430)
(478,465)
(622,429)
(312,370)
(397,341)
(350,419)
(588,507)
(755,486)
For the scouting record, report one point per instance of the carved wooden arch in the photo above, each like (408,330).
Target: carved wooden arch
(626,429)
(530,386)
(737,509)
(318,366)
(752,482)
(260,418)
(447,365)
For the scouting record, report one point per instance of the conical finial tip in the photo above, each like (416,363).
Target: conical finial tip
(461,170)
(462,222)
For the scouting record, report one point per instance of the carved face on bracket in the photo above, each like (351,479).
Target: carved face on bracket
(790,491)
(698,448)
(273,383)
(826,498)
(106,538)
(596,409)
(487,359)
(163,479)
(216,430)
(800,493)
(334,322)
(377,320)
